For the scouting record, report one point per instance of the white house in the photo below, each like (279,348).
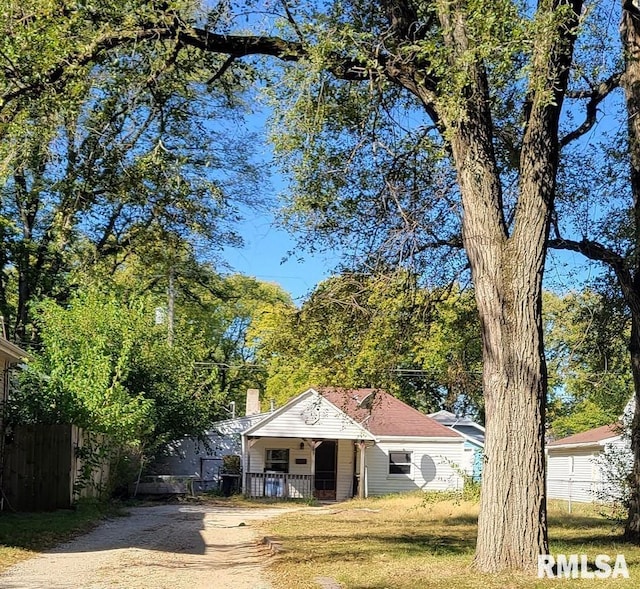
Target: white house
(473,434)
(338,443)
(329,444)
(202,462)
(574,472)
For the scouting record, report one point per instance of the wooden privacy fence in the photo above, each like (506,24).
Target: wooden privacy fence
(48,467)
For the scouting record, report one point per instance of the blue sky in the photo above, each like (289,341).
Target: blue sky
(265,255)
(270,253)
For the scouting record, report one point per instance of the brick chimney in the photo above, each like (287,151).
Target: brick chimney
(253,402)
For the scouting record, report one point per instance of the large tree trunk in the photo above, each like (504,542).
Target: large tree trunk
(632,527)
(630,280)
(512,527)
(507,275)
(507,269)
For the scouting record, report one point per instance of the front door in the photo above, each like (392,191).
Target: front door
(326,461)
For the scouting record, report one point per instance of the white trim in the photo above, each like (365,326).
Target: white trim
(11,351)
(470,439)
(594,444)
(233,420)
(454,440)
(400,475)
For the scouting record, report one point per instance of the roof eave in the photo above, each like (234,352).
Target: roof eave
(408,437)
(367,435)
(592,444)
(13,352)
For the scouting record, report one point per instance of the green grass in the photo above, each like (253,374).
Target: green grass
(401,542)
(23,535)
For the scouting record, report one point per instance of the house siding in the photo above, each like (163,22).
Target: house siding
(189,456)
(344,466)
(472,460)
(256,455)
(433,466)
(259,448)
(579,483)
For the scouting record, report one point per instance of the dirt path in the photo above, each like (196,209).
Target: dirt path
(161,547)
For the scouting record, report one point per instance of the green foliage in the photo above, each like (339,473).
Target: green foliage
(470,493)
(589,374)
(38,532)
(130,149)
(105,366)
(378,331)
(231,465)
(615,463)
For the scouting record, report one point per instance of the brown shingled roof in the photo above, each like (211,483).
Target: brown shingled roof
(384,415)
(591,436)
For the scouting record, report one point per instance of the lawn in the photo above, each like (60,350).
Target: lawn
(400,542)
(23,535)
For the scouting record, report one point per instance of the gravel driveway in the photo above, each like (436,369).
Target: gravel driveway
(160,547)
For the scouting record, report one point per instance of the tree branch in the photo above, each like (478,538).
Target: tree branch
(600,253)
(292,21)
(236,46)
(595,95)
(592,250)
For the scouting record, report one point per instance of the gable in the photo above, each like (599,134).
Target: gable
(309,416)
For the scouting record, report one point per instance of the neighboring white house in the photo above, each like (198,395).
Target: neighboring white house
(473,434)
(332,444)
(203,462)
(573,469)
(10,355)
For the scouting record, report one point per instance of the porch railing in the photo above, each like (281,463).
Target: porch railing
(285,485)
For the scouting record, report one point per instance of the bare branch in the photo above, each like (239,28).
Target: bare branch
(223,68)
(292,21)
(595,95)
(600,253)
(590,249)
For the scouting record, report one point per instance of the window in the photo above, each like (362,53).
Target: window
(399,462)
(277,460)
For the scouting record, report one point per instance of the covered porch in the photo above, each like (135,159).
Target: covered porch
(302,468)
(307,448)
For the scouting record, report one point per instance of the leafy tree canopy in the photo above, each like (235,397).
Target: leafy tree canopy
(586,336)
(382,331)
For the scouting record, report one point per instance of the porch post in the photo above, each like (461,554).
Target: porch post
(313,444)
(362,482)
(244,470)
